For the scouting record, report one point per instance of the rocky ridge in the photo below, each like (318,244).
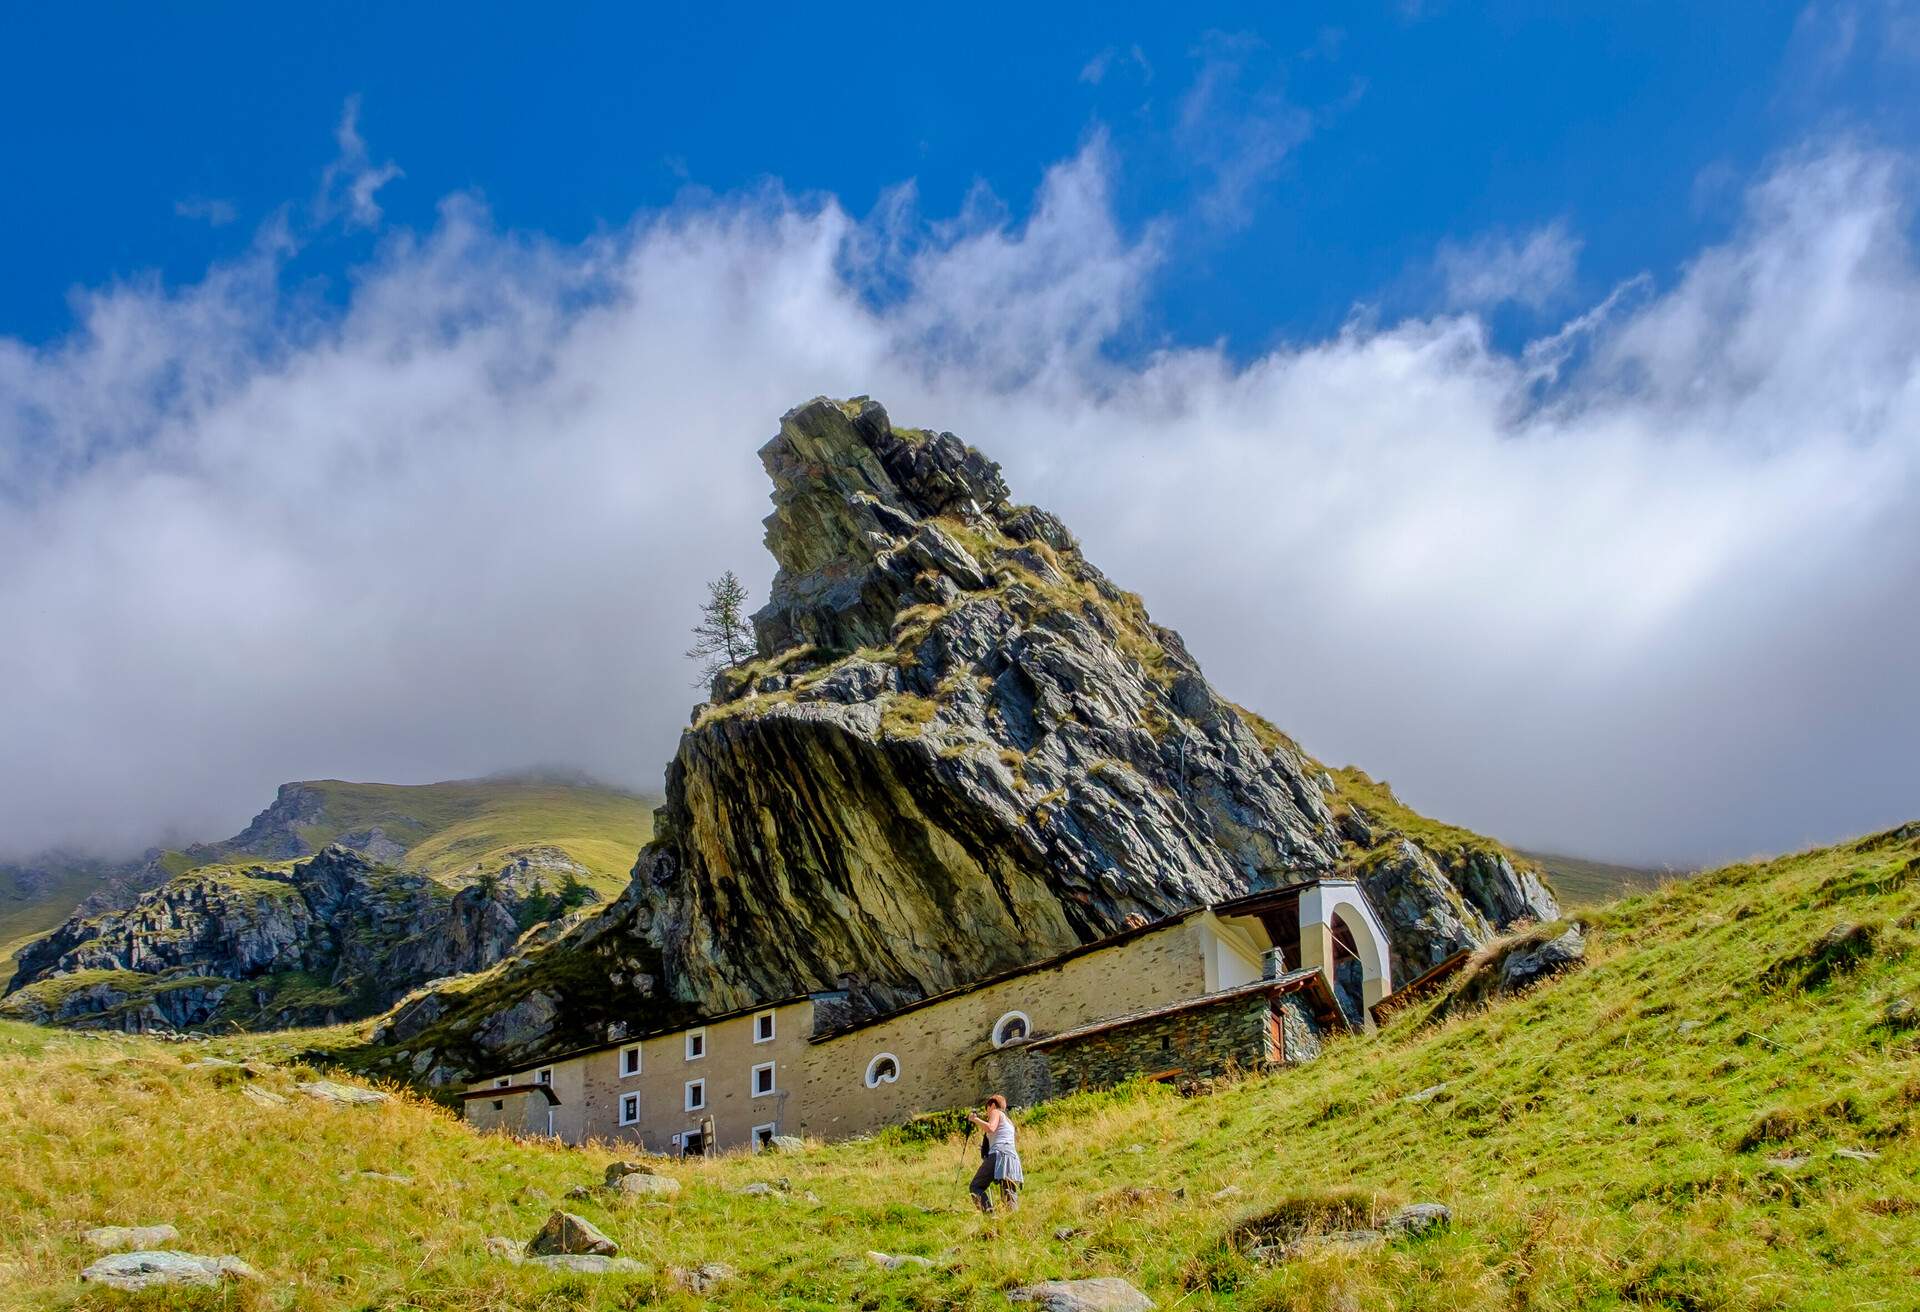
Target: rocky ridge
(310,942)
(959,747)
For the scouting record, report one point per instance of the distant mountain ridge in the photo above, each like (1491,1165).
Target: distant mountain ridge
(537,841)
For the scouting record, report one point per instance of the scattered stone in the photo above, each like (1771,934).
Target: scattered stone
(700,1279)
(1101,1294)
(1136,1147)
(1688,1026)
(121,1238)
(788,1143)
(566,1233)
(1067,1232)
(148,1269)
(389,1176)
(501,1246)
(214,1064)
(1789,1161)
(1419,1218)
(579,1191)
(617,1169)
(1901,1014)
(1231,1191)
(760,1189)
(1857,1154)
(1427,1094)
(265,1097)
(587,1264)
(341,1095)
(894,1261)
(644,1184)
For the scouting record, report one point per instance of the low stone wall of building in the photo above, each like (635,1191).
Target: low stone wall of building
(1199,1043)
(1299,1031)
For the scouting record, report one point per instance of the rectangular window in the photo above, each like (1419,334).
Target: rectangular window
(629,1061)
(763,1136)
(696,1044)
(544,1075)
(503,1082)
(696,1095)
(763,1027)
(629,1108)
(498,1105)
(763,1079)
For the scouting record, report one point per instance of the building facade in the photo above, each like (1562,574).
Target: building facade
(1238,986)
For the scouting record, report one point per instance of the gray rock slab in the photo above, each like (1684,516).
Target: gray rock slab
(1100,1294)
(149,1268)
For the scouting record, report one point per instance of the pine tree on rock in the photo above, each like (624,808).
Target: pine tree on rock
(723,637)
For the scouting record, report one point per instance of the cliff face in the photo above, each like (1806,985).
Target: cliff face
(960,747)
(328,939)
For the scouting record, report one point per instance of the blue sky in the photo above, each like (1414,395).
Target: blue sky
(1519,401)
(1307,158)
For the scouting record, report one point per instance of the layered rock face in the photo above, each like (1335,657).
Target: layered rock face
(960,748)
(356,935)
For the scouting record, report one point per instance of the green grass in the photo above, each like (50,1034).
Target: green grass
(26,916)
(1604,1143)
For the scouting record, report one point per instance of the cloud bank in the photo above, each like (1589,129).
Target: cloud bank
(1644,589)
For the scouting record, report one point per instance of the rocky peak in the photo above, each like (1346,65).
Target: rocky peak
(959,748)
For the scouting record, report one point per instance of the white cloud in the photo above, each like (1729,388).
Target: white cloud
(1236,124)
(1498,268)
(1647,597)
(352,180)
(216,212)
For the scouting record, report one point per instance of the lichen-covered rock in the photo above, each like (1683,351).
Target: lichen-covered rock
(1525,967)
(1100,1294)
(148,1269)
(958,748)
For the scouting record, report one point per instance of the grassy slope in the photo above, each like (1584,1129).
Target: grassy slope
(24,917)
(1581,883)
(1596,1153)
(454,830)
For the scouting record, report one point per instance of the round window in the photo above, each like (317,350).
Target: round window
(884,1069)
(1011,1028)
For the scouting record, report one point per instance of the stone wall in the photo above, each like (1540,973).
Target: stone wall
(1300,1035)
(1233,1035)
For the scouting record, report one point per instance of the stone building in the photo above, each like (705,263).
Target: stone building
(1238,986)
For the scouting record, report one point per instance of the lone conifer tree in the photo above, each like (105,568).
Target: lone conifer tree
(721,638)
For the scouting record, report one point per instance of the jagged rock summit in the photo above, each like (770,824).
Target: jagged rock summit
(959,748)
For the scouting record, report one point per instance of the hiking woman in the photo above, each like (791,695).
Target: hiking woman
(999,1158)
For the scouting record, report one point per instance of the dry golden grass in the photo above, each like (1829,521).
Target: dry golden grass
(1604,1143)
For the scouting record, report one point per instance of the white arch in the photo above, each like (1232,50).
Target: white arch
(874,1078)
(1000,1039)
(1319,905)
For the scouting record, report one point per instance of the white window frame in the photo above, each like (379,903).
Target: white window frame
(544,1076)
(626,1100)
(999,1027)
(698,1036)
(773,1083)
(758,1037)
(633,1048)
(753,1136)
(874,1080)
(502,1081)
(690,1104)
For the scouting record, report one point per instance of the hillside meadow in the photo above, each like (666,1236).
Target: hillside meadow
(1721,1110)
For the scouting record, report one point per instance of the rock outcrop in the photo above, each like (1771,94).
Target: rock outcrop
(322,940)
(958,748)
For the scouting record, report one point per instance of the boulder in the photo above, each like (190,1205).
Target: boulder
(894,1261)
(264,1097)
(1100,1294)
(1525,967)
(150,1268)
(701,1279)
(341,1095)
(120,1238)
(788,1143)
(617,1169)
(644,1184)
(1418,1219)
(501,1246)
(587,1264)
(564,1232)
(1336,1241)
